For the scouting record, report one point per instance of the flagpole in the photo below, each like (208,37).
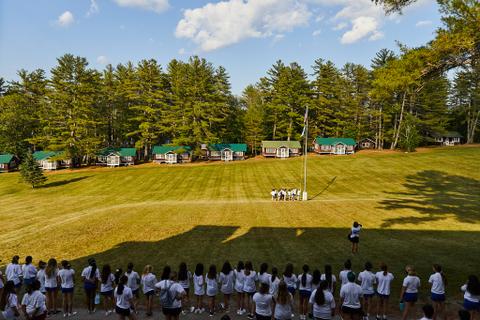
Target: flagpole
(305,153)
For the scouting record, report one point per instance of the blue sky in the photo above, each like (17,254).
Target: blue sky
(245,36)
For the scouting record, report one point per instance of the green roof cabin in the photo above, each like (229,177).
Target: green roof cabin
(172,154)
(449,138)
(281,149)
(8,162)
(116,157)
(334,145)
(52,160)
(225,151)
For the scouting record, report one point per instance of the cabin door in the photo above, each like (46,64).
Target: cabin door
(227,155)
(283,152)
(340,149)
(171,158)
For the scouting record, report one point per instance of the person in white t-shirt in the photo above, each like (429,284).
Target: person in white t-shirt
(330,278)
(29,271)
(263,303)
(263,275)
(14,273)
(171,289)
(354,236)
(227,283)
(67,283)
(428,312)
(90,278)
(283,302)
(290,279)
(274,282)
(343,276)
(51,286)
(106,289)
(239,280)
(148,287)
(211,281)
(350,295)
(367,281)
(322,302)
(273,193)
(305,290)
(9,302)
(124,303)
(184,278)
(438,282)
(384,280)
(409,292)
(249,287)
(133,282)
(199,287)
(33,303)
(471,298)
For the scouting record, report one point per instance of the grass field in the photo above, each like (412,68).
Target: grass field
(418,208)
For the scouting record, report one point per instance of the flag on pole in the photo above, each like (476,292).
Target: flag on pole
(305,120)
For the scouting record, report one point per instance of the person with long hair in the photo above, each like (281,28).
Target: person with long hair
(384,280)
(29,271)
(283,302)
(409,292)
(90,278)
(51,286)
(171,294)
(343,275)
(354,236)
(305,291)
(227,282)
(350,295)
(133,282)
(367,281)
(330,278)
(290,279)
(316,279)
(148,287)
(184,278)
(124,304)
(239,281)
(263,275)
(67,283)
(263,303)
(199,287)
(106,289)
(274,282)
(322,302)
(14,273)
(249,287)
(211,280)
(471,298)
(9,302)
(33,303)
(41,276)
(438,281)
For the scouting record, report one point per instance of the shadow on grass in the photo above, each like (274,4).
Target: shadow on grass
(314,246)
(324,189)
(62,182)
(435,195)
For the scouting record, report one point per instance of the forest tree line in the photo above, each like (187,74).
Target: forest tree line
(397,101)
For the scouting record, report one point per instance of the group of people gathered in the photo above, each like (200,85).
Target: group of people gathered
(266,295)
(284,194)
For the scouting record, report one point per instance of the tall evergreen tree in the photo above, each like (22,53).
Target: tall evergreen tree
(31,172)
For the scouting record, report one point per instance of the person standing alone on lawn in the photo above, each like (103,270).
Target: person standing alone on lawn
(354,236)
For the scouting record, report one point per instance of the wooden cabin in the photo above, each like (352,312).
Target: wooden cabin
(172,154)
(225,151)
(116,157)
(367,143)
(336,146)
(8,162)
(52,160)
(449,138)
(281,149)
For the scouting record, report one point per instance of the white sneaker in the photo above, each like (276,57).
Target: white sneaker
(72,313)
(192,309)
(107,313)
(293,315)
(202,310)
(65,315)
(222,305)
(239,312)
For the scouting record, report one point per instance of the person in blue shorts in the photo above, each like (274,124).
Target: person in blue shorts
(471,298)
(409,292)
(438,281)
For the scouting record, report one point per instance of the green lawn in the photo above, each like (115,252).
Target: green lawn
(418,208)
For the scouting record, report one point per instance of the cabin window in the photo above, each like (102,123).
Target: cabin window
(270,150)
(2,166)
(238,153)
(294,150)
(129,158)
(215,153)
(325,147)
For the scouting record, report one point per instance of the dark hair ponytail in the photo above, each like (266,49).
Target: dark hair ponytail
(328,276)
(304,275)
(121,284)
(384,268)
(274,274)
(438,268)
(93,264)
(319,294)
(348,264)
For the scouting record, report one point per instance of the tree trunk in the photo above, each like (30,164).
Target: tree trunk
(399,126)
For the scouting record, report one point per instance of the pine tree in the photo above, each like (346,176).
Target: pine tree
(31,172)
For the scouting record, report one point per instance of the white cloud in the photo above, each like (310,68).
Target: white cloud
(103,60)
(361,27)
(182,51)
(340,26)
(93,9)
(316,33)
(217,25)
(152,5)
(423,23)
(65,19)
